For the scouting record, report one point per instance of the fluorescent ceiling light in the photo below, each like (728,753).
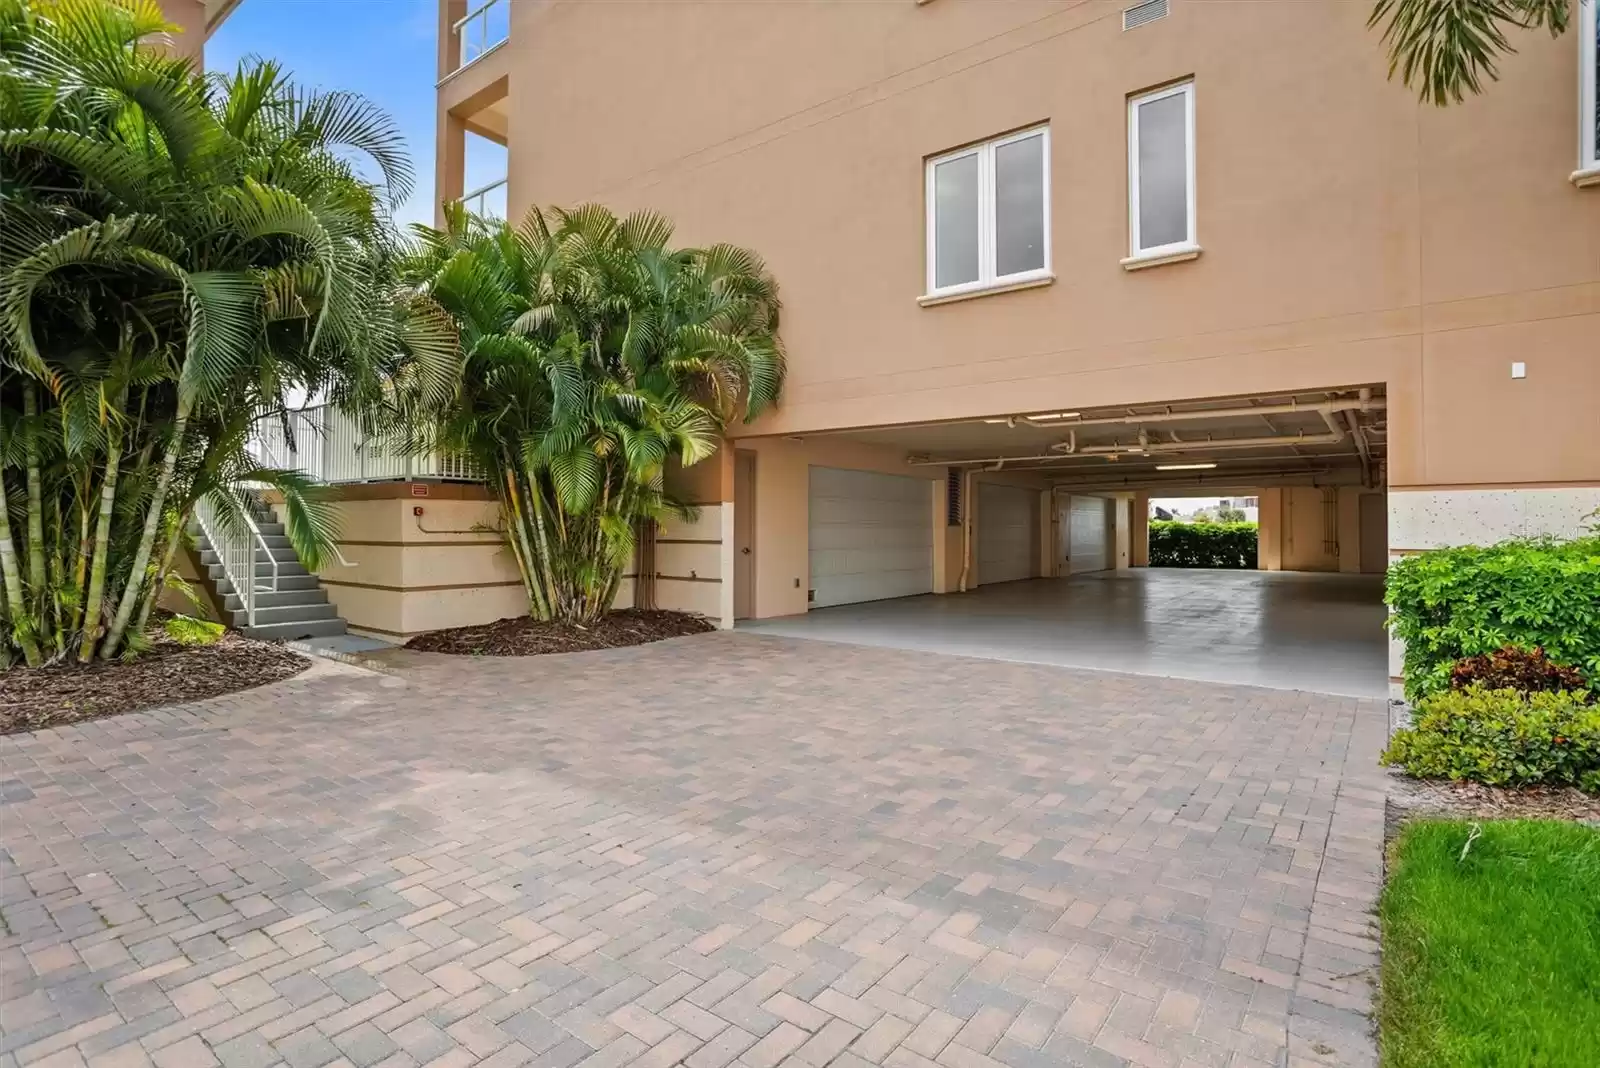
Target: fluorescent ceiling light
(1055,415)
(1000,421)
(1183,467)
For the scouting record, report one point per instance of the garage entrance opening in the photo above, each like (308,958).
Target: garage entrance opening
(1028,537)
(1206,532)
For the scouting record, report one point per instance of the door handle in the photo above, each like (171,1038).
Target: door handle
(746,551)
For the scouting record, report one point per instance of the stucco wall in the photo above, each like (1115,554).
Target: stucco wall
(1351,235)
(407,573)
(190,18)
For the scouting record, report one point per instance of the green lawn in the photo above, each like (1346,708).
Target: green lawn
(1492,960)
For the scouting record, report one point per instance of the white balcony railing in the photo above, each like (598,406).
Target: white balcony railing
(487,200)
(326,444)
(481,30)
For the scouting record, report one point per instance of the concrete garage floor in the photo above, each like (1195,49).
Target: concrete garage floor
(1287,630)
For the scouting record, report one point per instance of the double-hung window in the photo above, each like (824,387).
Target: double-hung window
(989,215)
(1588,172)
(1161,199)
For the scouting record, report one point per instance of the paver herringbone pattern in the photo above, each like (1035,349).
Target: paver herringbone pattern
(722,850)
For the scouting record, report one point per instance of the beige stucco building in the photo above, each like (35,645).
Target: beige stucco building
(1042,261)
(1308,233)
(195,19)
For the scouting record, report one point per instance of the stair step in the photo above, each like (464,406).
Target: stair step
(286,584)
(296,606)
(268,530)
(288,613)
(264,570)
(310,595)
(295,631)
(283,554)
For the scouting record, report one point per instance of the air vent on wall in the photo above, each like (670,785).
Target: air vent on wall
(1142,13)
(952,507)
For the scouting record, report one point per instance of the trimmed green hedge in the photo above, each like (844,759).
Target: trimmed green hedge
(1176,544)
(1453,603)
(1503,738)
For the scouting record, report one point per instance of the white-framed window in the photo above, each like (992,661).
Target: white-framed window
(1589,91)
(989,214)
(1161,197)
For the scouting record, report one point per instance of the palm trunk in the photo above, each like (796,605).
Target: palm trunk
(160,581)
(152,524)
(58,577)
(102,548)
(542,543)
(80,566)
(13,581)
(37,579)
(518,525)
(594,605)
(614,571)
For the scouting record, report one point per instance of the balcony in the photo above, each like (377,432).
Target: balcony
(487,200)
(327,445)
(481,30)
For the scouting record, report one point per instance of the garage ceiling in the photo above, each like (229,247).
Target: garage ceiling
(1340,429)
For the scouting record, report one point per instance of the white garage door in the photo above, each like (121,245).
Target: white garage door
(871,536)
(1006,527)
(1089,534)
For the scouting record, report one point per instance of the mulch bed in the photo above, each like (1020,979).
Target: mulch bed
(169,674)
(525,636)
(1427,799)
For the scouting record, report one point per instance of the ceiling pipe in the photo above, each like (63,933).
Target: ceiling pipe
(1335,434)
(1217,481)
(1369,404)
(1361,442)
(1153,449)
(1365,402)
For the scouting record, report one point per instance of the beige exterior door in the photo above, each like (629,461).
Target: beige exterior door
(1089,535)
(1374,533)
(744,532)
(1006,526)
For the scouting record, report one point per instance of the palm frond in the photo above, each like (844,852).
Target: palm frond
(1445,49)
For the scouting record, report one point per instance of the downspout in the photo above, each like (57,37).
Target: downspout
(966,528)
(969,483)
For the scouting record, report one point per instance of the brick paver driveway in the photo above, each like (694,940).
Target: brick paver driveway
(727,848)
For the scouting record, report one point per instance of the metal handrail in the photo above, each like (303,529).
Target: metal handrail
(236,552)
(483,45)
(481,194)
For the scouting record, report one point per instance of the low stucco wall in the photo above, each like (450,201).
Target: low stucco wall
(408,573)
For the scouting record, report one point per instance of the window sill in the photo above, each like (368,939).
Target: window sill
(1585,176)
(1171,255)
(986,291)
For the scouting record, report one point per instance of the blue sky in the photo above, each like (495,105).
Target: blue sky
(384,49)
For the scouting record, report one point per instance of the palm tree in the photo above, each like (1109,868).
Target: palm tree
(592,353)
(1446,48)
(178,254)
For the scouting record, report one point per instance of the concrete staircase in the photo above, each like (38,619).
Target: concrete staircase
(296,610)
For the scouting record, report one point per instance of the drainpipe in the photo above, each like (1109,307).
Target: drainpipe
(966,528)
(969,483)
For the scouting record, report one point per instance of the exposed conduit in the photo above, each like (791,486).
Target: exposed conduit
(1168,416)
(1069,448)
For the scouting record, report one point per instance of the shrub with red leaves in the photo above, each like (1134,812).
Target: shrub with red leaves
(1515,668)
